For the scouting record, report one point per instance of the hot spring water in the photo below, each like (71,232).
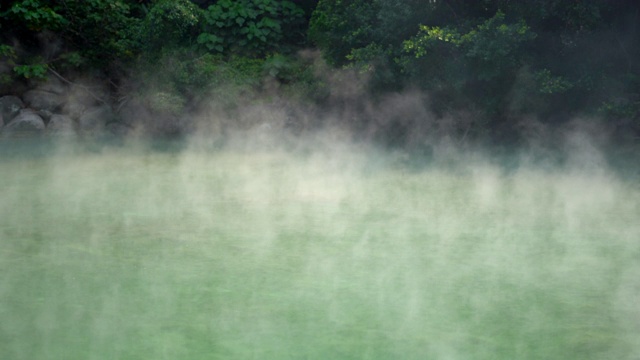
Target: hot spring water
(334,254)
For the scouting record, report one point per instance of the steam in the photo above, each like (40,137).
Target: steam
(282,230)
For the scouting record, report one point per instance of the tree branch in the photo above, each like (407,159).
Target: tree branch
(85,88)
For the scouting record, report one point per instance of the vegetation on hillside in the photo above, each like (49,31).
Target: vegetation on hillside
(497,60)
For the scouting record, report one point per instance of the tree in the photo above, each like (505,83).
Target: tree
(63,33)
(497,58)
(251,27)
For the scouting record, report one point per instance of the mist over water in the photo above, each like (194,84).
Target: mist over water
(317,249)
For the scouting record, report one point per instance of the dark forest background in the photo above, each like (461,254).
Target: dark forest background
(499,68)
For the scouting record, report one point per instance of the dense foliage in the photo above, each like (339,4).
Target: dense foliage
(251,27)
(73,33)
(170,24)
(499,60)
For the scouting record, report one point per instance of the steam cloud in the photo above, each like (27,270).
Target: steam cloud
(282,230)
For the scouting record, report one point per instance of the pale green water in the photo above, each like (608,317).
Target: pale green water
(136,254)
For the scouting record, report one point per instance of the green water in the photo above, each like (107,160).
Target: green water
(236,254)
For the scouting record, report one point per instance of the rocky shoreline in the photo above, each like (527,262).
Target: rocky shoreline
(59,109)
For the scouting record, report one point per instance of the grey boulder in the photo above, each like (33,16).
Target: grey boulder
(41,100)
(61,125)
(28,122)
(94,120)
(10,106)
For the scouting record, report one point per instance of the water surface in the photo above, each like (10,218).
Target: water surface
(128,252)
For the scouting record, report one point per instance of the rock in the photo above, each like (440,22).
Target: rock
(118,129)
(53,85)
(45,115)
(166,125)
(10,106)
(43,100)
(137,115)
(133,113)
(61,125)
(74,109)
(28,122)
(83,97)
(94,120)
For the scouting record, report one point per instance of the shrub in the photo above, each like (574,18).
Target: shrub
(338,27)
(101,30)
(170,23)
(250,27)
(68,33)
(35,15)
